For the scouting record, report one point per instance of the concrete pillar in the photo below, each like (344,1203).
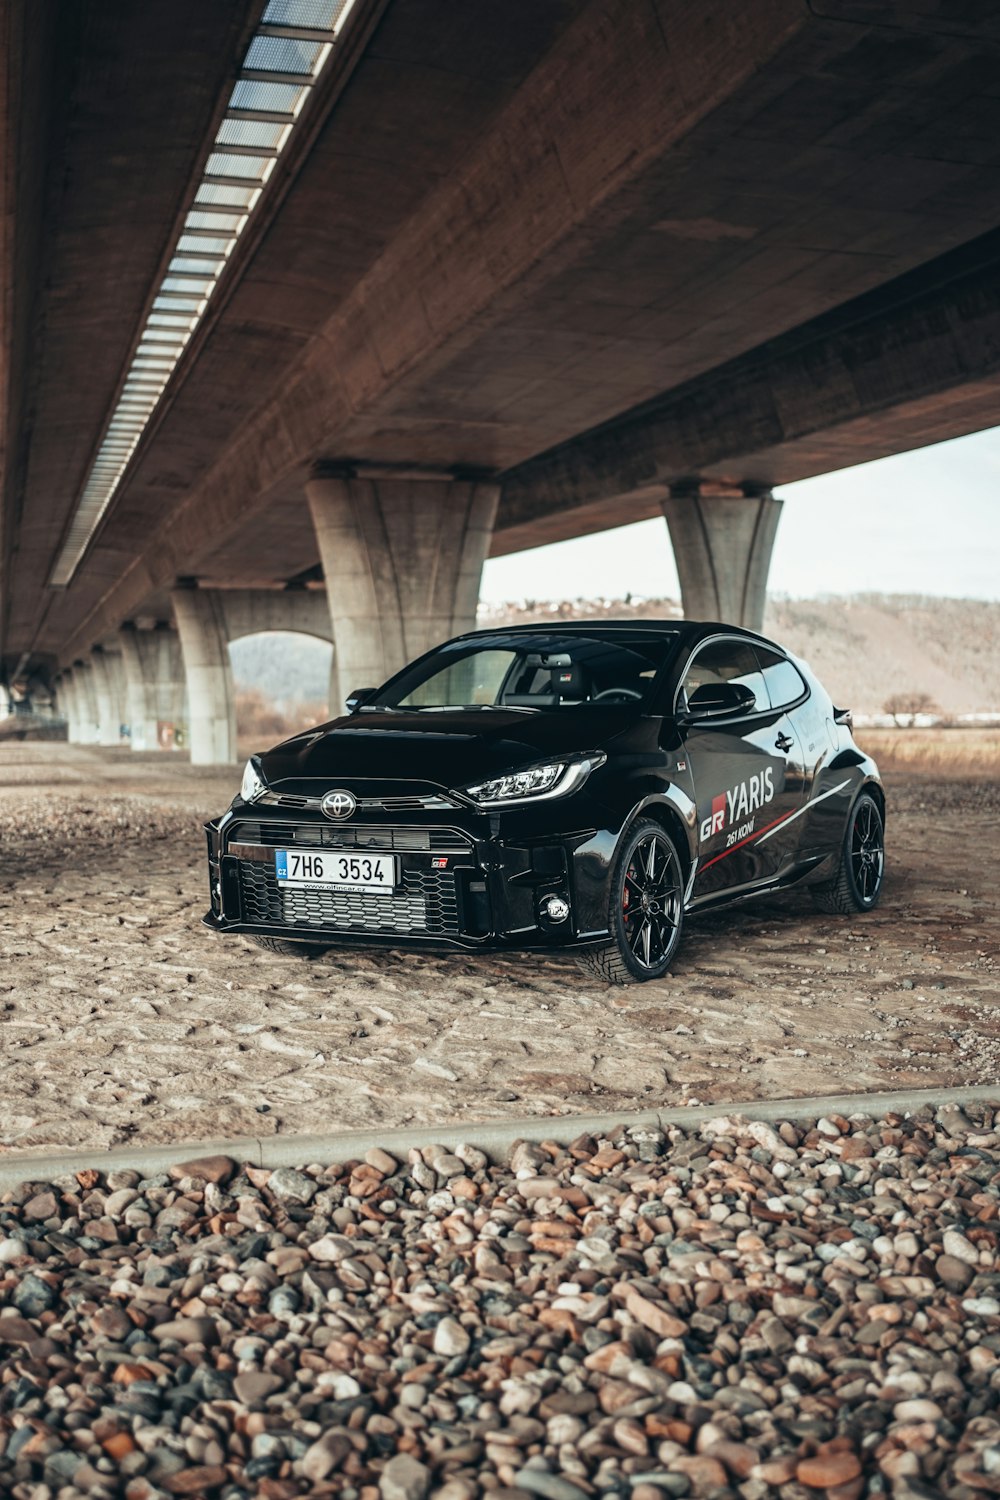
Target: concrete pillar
(204,641)
(89,721)
(109,687)
(722,539)
(155,687)
(66,704)
(402,554)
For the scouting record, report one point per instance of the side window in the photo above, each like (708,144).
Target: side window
(726,661)
(784,684)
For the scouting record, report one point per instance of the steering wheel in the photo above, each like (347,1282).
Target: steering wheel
(617,692)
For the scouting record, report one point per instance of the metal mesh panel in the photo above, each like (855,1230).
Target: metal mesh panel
(203,267)
(328,836)
(278,98)
(426,902)
(281,54)
(221,164)
(204,244)
(322,14)
(192,284)
(226,197)
(221,222)
(250,133)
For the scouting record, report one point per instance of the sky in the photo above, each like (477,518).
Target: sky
(926,522)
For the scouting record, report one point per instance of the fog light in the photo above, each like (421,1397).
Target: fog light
(556,908)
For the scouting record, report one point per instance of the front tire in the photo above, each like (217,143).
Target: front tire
(287,948)
(645,909)
(857,885)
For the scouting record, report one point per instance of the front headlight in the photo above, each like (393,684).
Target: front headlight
(253,784)
(556,778)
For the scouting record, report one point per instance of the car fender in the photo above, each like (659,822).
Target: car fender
(829,809)
(675,799)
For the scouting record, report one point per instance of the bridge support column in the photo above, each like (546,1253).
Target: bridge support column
(109,688)
(68,705)
(403,554)
(86,697)
(154,684)
(201,626)
(722,538)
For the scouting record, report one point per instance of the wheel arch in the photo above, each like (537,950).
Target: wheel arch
(670,815)
(875,789)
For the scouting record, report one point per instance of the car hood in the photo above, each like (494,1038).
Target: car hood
(448,749)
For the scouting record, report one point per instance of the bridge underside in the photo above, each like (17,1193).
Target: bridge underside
(589,257)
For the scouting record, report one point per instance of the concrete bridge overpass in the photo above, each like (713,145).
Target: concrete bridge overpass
(323,302)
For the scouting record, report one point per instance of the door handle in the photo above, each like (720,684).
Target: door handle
(784,742)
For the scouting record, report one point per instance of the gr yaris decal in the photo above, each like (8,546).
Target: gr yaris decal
(741,800)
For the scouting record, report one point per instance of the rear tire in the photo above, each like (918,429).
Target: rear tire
(645,909)
(288,948)
(857,885)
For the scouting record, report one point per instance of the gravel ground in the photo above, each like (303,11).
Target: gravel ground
(740,1311)
(122,1019)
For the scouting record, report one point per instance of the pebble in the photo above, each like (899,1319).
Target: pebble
(450,1338)
(404,1478)
(292,1186)
(955,1274)
(549,1486)
(717,1311)
(828,1470)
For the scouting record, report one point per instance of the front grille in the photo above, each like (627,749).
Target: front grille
(354,836)
(435,802)
(427,903)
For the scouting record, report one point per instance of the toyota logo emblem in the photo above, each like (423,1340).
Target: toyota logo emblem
(339,804)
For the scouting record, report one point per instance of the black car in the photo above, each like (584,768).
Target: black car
(579,786)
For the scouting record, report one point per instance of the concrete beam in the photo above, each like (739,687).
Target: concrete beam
(722,540)
(914,364)
(558,173)
(204,642)
(252,611)
(403,558)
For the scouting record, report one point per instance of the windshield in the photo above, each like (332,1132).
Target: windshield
(547,670)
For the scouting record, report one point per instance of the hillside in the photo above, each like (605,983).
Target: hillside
(864,647)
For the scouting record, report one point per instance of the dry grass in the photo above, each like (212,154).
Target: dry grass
(959,752)
(260,722)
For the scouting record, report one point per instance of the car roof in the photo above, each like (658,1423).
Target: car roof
(691,630)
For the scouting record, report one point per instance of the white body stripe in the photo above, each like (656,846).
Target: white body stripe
(808,806)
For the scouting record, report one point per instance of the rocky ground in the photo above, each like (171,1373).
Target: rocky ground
(738,1311)
(122,1019)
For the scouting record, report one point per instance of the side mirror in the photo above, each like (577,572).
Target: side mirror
(360,695)
(720,700)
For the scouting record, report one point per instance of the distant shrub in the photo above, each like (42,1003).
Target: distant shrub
(259,720)
(904,707)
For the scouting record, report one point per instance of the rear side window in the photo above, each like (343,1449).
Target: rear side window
(784,684)
(726,661)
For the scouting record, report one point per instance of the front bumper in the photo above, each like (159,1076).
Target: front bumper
(466,880)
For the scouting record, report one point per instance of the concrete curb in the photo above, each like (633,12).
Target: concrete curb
(494,1137)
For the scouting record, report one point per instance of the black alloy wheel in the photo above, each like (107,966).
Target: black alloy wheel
(646,909)
(857,885)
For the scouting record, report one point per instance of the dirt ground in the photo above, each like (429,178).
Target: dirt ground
(122,1019)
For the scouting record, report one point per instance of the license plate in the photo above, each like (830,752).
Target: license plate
(327,871)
